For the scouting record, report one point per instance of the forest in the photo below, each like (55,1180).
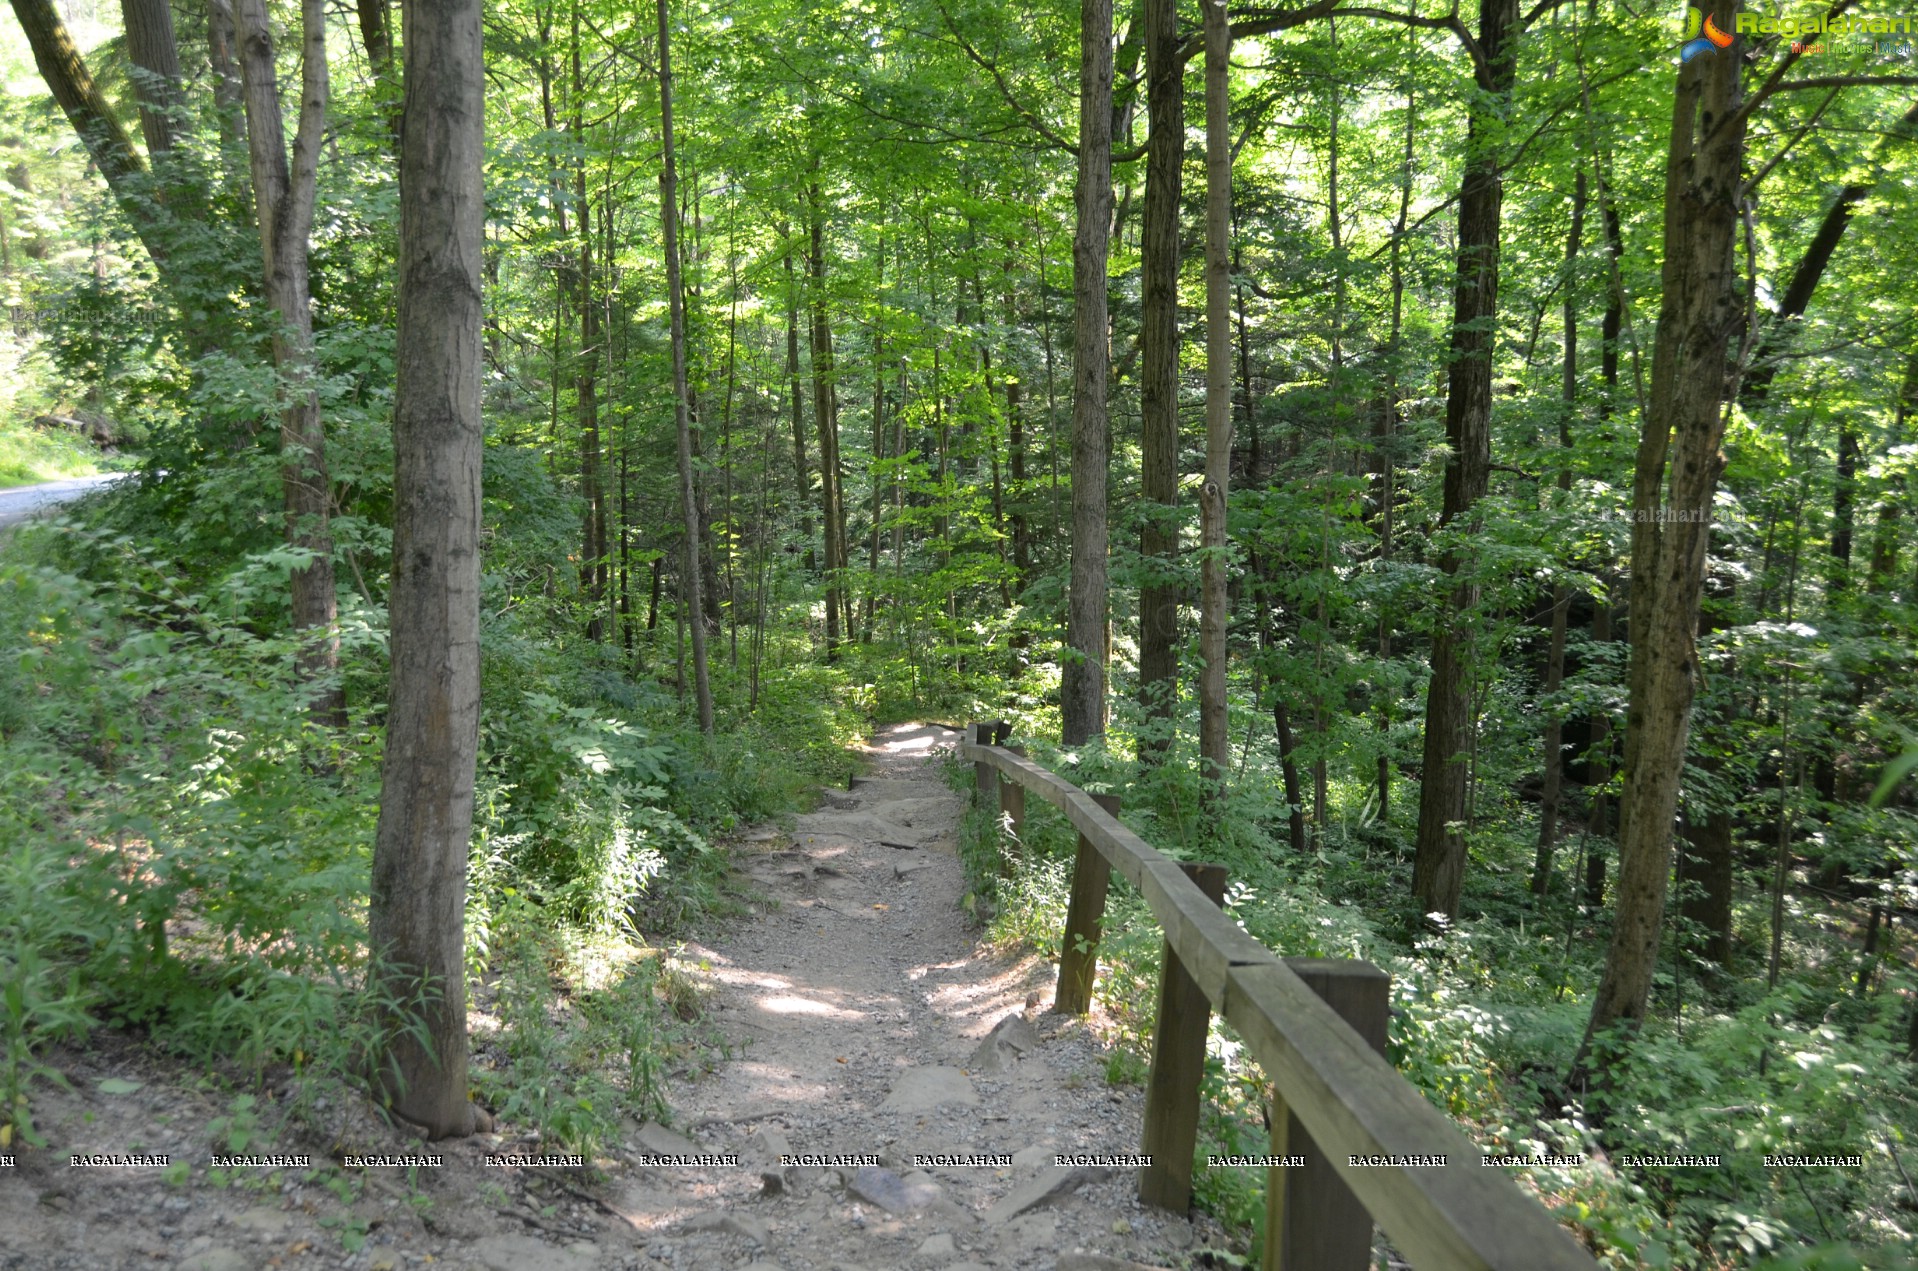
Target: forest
(1457,467)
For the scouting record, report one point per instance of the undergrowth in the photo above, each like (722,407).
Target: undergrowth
(1486,1017)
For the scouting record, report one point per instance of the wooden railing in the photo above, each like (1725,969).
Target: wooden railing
(1317,1028)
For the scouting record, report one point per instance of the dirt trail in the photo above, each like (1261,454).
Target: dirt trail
(874,1026)
(864,1021)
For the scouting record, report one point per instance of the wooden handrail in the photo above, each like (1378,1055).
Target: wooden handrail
(1462,1216)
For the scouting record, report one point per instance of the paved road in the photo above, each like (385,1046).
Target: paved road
(21,502)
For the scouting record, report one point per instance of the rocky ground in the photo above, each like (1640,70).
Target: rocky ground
(866,1024)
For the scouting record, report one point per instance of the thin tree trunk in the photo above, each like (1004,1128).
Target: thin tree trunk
(682,406)
(1214,738)
(1439,866)
(283,197)
(1676,475)
(416,927)
(1159,377)
(1082,694)
(1561,594)
(825,401)
(802,474)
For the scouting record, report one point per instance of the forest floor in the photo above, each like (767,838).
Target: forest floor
(863,1018)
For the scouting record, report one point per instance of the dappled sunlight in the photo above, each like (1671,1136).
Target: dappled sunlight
(792,1004)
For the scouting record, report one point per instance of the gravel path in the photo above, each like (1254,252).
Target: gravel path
(875,1028)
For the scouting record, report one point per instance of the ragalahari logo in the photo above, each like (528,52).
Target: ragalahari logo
(1701,35)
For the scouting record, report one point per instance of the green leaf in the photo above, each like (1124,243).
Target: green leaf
(119,1085)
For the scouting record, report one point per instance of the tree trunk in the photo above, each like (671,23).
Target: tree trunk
(825,409)
(682,407)
(376,36)
(1082,692)
(94,121)
(1561,595)
(1214,739)
(592,550)
(1676,474)
(1706,867)
(283,198)
(1439,866)
(417,920)
(802,474)
(1159,377)
(155,55)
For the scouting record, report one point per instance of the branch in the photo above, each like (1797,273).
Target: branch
(1260,22)
(1031,119)
(1751,182)
(1770,86)
(1481,69)
(1836,82)
(314,90)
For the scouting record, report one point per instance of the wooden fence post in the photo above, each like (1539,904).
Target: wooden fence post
(985,776)
(1313,1222)
(1178,1064)
(1085,923)
(1012,795)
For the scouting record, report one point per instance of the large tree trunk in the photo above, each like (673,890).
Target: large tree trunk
(156,71)
(1214,740)
(682,409)
(1675,478)
(417,921)
(1082,692)
(1159,376)
(1439,865)
(283,198)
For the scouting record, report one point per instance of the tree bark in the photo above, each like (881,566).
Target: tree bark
(1214,738)
(155,55)
(417,921)
(1561,595)
(1439,865)
(1159,377)
(682,407)
(825,409)
(1676,474)
(1082,690)
(802,473)
(79,97)
(283,199)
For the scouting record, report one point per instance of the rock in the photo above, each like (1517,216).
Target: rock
(968,1266)
(907,868)
(892,1193)
(263,1221)
(384,1260)
(1000,1049)
(216,1260)
(923,1089)
(523,1253)
(939,1246)
(654,1137)
(732,1225)
(1036,1157)
(1097,1262)
(1045,1188)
